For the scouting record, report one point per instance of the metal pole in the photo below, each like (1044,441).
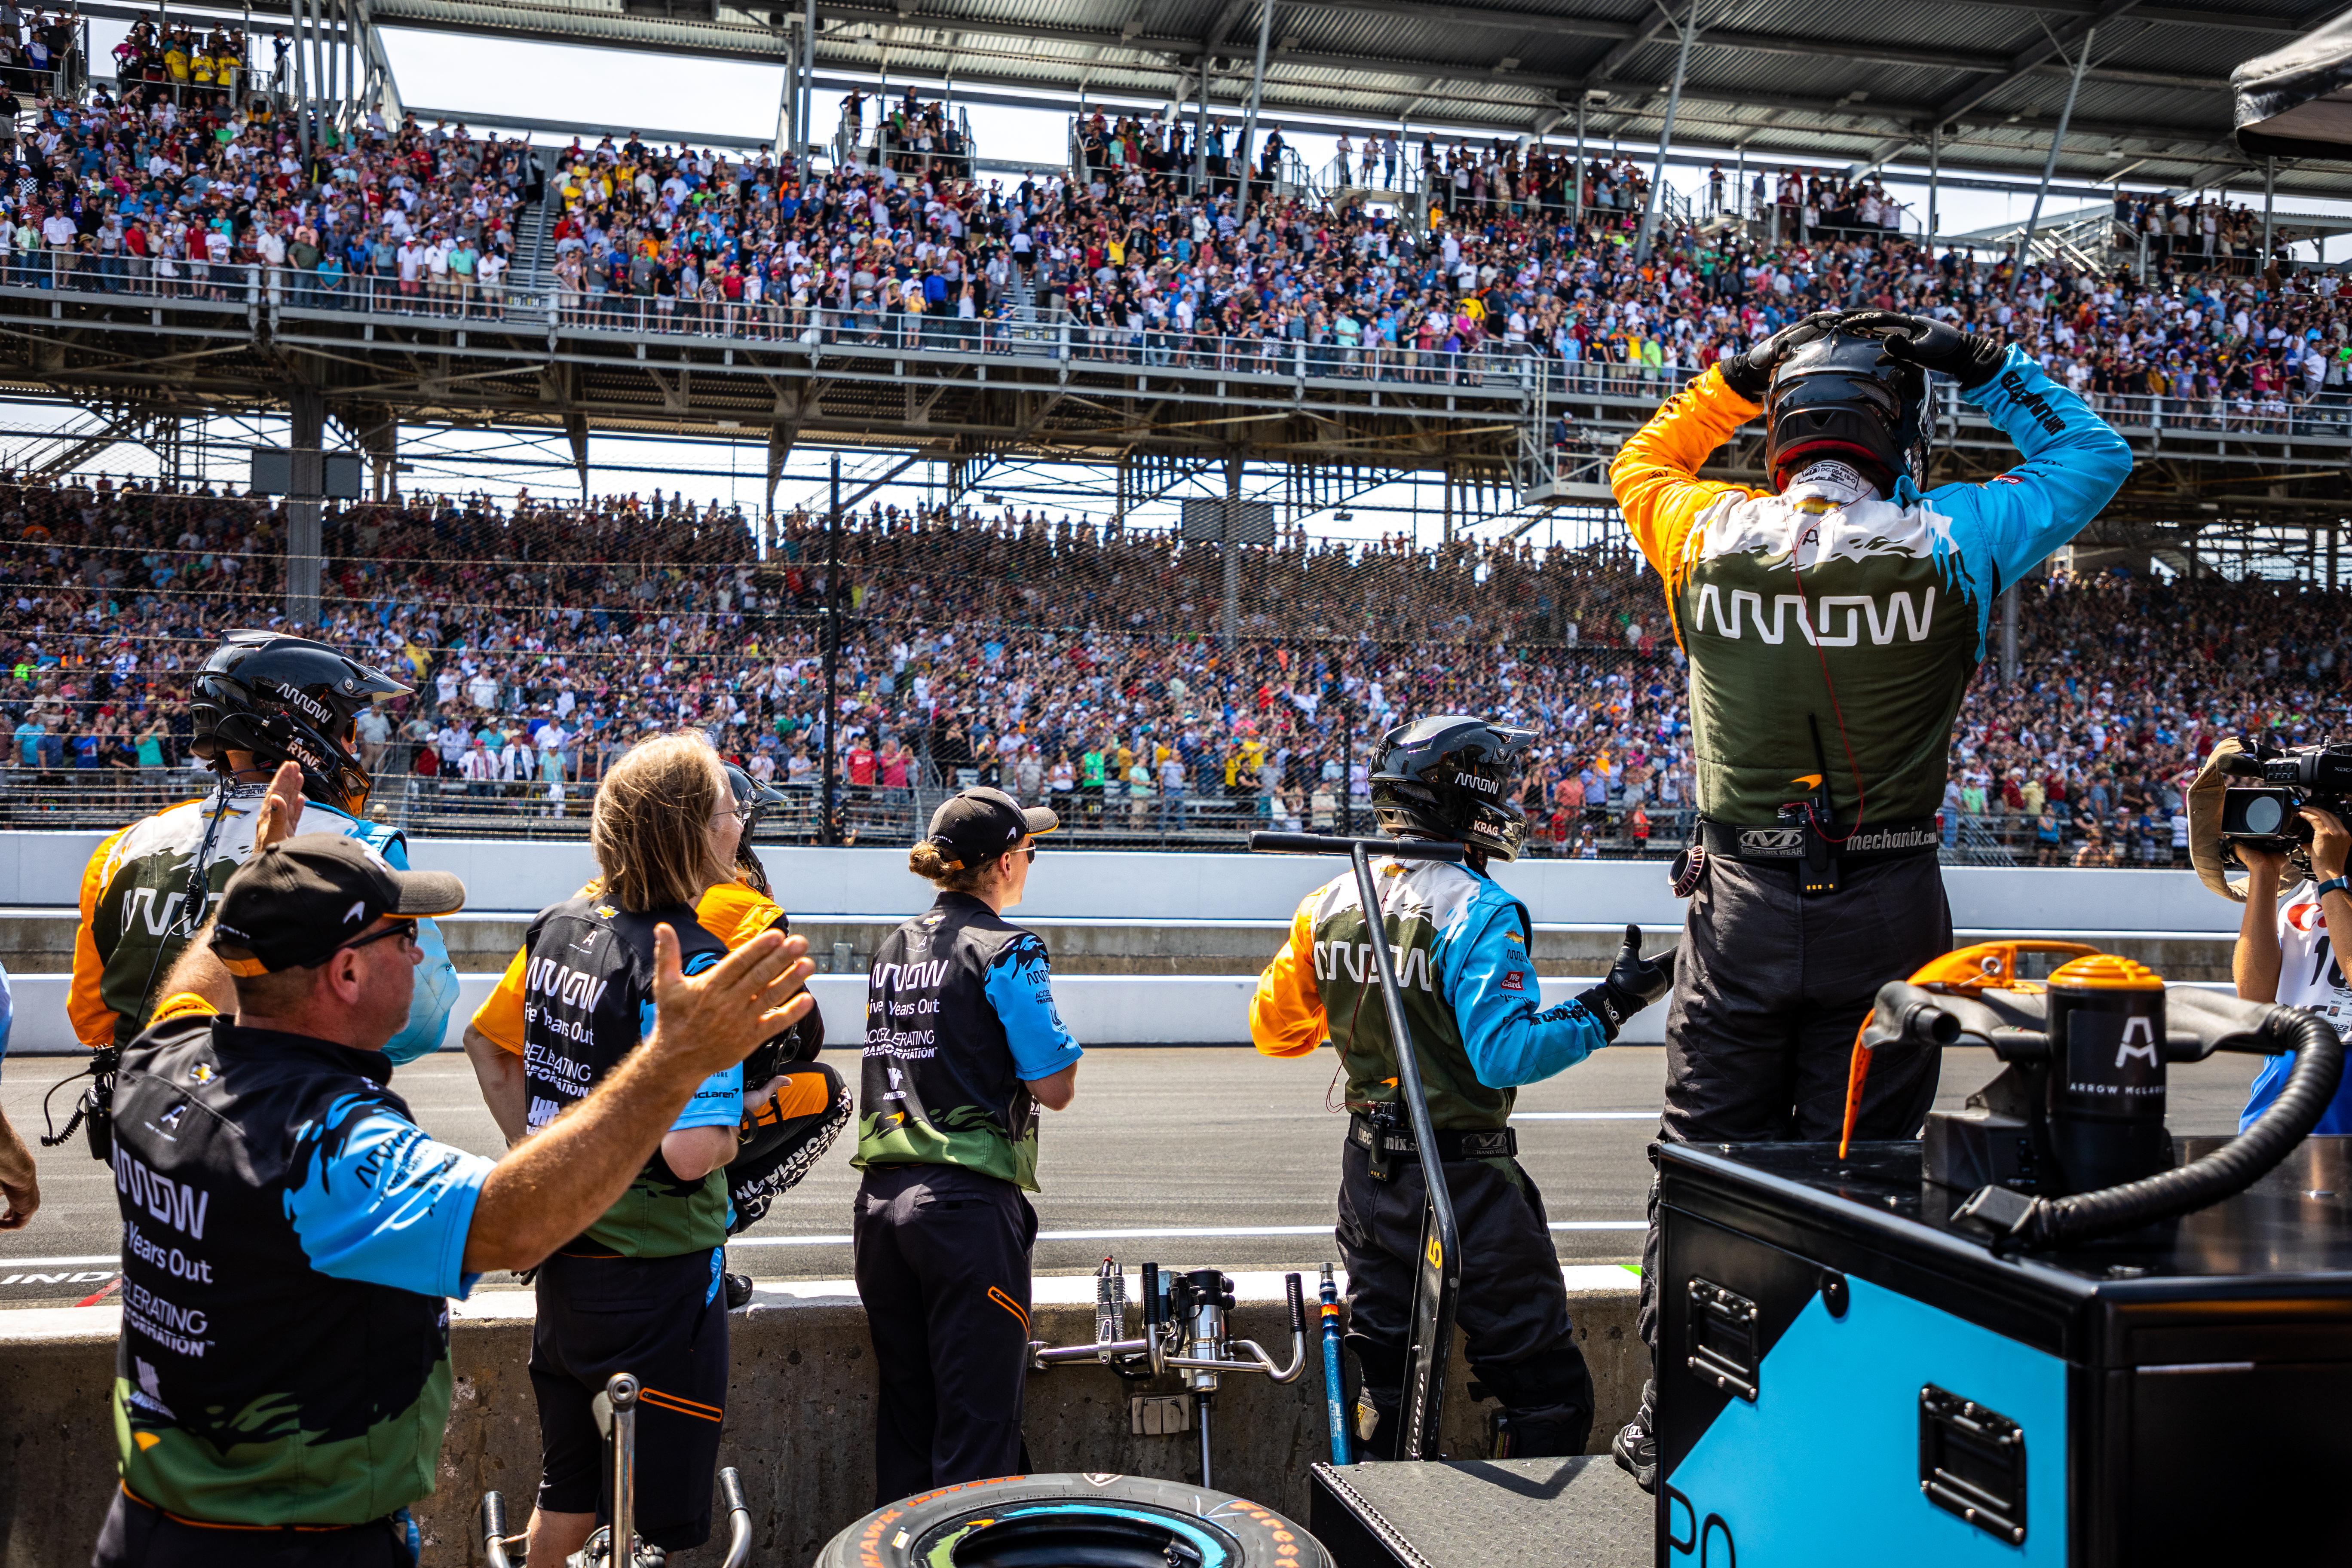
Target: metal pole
(788,103)
(1347,746)
(302,90)
(1230,621)
(1935,179)
(2050,165)
(2009,635)
(808,85)
(829,822)
(1201,131)
(1580,158)
(1249,127)
(1666,138)
(305,536)
(2270,176)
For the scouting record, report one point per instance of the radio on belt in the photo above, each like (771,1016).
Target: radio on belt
(2049,1332)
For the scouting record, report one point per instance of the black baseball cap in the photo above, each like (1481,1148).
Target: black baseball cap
(294,904)
(977,824)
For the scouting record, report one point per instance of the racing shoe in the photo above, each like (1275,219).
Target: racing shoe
(1635,1447)
(738,1292)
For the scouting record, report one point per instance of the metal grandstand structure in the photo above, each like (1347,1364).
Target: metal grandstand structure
(1968,88)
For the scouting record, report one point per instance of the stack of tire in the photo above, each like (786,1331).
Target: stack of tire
(1074,1522)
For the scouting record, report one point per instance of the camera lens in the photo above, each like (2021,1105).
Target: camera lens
(2263,814)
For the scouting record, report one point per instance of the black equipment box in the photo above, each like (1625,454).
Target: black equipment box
(1582,1512)
(1846,1375)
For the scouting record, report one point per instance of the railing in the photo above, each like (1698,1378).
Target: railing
(1529,370)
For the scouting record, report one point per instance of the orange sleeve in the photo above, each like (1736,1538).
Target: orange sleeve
(808,1092)
(1655,476)
(499,1017)
(181,1005)
(735,914)
(93,1021)
(1286,1015)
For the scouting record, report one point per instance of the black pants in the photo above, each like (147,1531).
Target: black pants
(140,1535)
(1769,988)
(1514,1307)
(663,1320)
(941,1255)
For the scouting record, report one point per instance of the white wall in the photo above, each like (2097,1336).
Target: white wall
(45,868)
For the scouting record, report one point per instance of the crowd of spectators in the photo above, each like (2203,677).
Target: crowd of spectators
(1064,660)
(180,192)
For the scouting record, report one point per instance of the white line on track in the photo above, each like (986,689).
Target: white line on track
(1584,1116)
(1169,1234)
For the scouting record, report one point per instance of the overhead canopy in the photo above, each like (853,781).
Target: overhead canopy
(1817,83)
(2297,102)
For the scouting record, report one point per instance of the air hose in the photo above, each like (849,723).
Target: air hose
(2051,1222)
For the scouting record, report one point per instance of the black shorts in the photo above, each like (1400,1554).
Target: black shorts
(664,1320)
(138,1534)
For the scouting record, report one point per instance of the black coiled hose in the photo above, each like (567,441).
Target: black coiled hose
(2226,1172)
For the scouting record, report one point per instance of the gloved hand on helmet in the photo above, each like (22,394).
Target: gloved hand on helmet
(1631,984)
(1749,373)
(1969,358)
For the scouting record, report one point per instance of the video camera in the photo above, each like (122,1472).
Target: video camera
(2269,817)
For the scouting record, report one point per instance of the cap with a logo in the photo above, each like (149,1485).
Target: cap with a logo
(294,904)
(979,825)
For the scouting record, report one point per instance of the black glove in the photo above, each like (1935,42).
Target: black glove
(1631,984)
(1969,358)
(1751,374)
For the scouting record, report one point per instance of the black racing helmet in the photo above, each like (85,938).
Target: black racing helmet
(289,700)
(1449,777)
(1841,397)
(753,798)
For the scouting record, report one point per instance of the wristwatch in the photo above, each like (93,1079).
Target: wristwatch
(2333,885)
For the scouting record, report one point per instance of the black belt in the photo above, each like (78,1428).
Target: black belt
(1786,846)
(1452,1142)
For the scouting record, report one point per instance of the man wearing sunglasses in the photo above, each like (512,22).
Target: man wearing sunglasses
(1832,623)
(290,1235)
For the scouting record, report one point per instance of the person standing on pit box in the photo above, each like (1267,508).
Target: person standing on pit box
(1823,746)
(962,1044)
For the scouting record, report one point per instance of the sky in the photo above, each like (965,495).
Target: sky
(487,78)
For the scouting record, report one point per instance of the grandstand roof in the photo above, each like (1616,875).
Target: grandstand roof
(1810,81)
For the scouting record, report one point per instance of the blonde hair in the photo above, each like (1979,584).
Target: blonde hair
(651,825)
(926,861)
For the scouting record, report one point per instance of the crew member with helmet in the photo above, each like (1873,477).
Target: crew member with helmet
(1833,624)
(1480,1030)
(798,1105)
(962,1044)
(261,700)
(640,1289)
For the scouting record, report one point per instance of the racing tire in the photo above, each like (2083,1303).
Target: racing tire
(1074,1522)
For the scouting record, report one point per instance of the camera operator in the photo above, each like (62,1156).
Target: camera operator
(2287,950)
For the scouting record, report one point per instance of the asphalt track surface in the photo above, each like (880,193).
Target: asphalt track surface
(1201,1156)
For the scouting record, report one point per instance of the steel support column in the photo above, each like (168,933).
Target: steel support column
(1228,620)
(2270,179)
(2009,635)
(1935,179)
(2050,165)
(1249,127)
(1666,138)
(808,85)
(829,810)
(305,542)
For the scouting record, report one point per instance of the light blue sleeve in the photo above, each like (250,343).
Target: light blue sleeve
(436,995)
(718,1102)
(379,1200)
(2074,465)
(1509,1035)
(1020,986)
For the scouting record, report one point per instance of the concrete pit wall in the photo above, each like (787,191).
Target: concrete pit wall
(800,1422)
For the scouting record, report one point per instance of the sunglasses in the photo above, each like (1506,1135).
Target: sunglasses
(403,929)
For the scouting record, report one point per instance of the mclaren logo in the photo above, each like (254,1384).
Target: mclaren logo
(1780,842)
(1899,615)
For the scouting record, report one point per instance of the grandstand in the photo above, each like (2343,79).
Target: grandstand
(1188,309)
